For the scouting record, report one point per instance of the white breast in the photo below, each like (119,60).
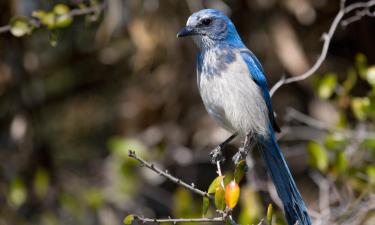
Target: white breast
(234,100)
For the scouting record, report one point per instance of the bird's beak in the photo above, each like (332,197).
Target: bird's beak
(186,31)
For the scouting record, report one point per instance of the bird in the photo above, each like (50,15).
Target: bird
(234,90)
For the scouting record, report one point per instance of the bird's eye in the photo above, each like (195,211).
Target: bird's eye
(206,21)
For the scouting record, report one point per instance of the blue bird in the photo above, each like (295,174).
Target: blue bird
(235,93)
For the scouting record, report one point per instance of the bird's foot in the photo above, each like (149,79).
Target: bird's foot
(216,155)
(240,155)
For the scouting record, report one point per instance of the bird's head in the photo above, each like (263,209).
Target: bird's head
(210,27)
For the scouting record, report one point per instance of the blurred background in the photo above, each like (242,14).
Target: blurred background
(74,100)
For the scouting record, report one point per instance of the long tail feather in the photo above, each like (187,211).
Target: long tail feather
(294,207)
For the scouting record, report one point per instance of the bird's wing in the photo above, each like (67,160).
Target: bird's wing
(199,68)
(257,74)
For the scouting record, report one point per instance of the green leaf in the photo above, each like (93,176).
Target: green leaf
(216,183)
(361,64)
(48,19)
(370,170)
(38,14)
(205,205)
(129,219)
(341,163)
(18,192)
(220,198)
(327,86)
(360,107)
(19,26)
(370,75)
(318,156)
(240,171)
(41,182)
(350,81)
(335,141)
(63,18)
(269,214)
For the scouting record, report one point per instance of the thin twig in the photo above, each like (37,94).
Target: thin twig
(327,37)
(73,13)
(168,176)
(180,220)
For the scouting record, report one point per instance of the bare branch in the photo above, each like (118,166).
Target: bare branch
(168,176)
(74,13)
(327,37)
(180,220)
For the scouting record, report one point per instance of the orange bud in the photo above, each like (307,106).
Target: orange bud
(232,193)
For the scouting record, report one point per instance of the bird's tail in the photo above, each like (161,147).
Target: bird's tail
(294,207)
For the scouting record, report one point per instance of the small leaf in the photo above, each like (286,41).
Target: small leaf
(370,75)
(48,19)
(318,156)
(327,86)
(360,107)
(129,219)
(19,26)
(269,214)
(219,198)
(240,171)
(63,18)
(232,194)
(361,64)
(38,14)
(216,183)
(350,81)
(205,205)
(370,170)
(18,192)
(341,163)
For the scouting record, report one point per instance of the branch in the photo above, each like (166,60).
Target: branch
(327,37)
(73,13)
(168,176)
(181,220)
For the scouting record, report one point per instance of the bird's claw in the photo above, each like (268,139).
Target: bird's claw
(216,155)
(240,155)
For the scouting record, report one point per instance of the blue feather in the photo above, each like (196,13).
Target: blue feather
(294,207)
(257,73)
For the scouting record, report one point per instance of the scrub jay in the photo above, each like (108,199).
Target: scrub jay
(234,91)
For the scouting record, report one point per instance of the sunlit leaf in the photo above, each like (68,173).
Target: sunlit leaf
(327,86)
(39,14)
(360,107)
(232,194)
(370,170)
(63,18)
(48,19)
(129,219)
(269,214)
(370,75)
(318,156)
(205,205)
(215,183)
(335,141)
(341,163)
(219,198)
(19,26)
(18,194)
(240,171)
